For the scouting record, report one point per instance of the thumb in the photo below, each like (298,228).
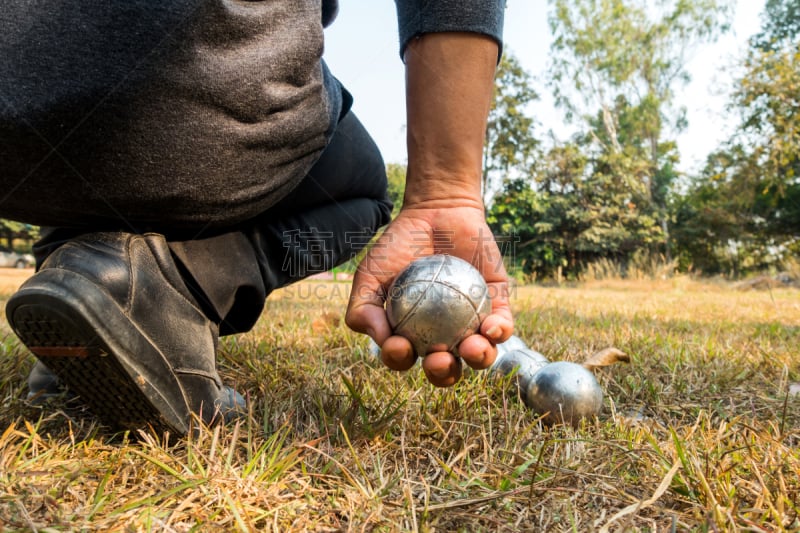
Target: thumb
(365,312)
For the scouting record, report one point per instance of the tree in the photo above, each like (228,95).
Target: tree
(753,180)
(780,25)
(11,230)
(573,213)
(712,233)
(396,176)
(625,58)
(510,145)
(768,98)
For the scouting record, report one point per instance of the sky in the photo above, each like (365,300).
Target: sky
(362,50)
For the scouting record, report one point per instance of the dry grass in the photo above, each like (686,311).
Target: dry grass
(698,433)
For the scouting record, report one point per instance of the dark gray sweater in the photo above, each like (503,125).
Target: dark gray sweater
(178,112)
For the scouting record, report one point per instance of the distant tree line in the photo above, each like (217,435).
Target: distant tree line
(612,191)
(17,235)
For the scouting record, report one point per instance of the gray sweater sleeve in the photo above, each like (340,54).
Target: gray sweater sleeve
(415,17)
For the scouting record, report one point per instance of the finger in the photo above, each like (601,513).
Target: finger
(477,352)
(497,327)
(501,306)
(365,312)
(442,369)
(397,353)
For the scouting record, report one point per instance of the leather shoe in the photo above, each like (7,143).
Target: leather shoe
(44,386)
(111,316)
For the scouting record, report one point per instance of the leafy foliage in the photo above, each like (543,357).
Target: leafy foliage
(607,193)
(510,145)
(11,230)
(396,176)
(780,25)
(573,214)
(616,64)
(744,211)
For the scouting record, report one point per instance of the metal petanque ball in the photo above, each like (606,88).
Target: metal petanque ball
(513,343)
(373,349)
(564,392)
(436,302)
(513,355)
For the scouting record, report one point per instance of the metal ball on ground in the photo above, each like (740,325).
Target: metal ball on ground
(373,349)
(513,343)
(515,356)
(564,392)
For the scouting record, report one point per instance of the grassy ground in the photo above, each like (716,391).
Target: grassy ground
(699,432)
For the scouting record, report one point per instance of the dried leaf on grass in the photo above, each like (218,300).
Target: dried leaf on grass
(606,357)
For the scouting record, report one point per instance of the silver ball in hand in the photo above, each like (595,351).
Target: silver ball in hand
(436,302)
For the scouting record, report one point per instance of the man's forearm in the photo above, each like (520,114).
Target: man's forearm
(449,84)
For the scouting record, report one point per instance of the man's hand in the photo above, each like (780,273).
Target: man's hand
(457,231)
(449,84)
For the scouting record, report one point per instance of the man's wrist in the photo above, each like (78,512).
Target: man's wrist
(434,190)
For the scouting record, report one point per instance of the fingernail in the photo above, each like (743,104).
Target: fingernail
(439,372)
(494,332)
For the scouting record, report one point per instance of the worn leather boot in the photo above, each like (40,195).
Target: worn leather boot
(44,386)
(109,314)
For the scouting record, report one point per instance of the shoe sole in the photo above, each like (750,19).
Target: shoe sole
(77,330)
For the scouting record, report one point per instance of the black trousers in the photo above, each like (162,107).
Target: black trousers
(326,220)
